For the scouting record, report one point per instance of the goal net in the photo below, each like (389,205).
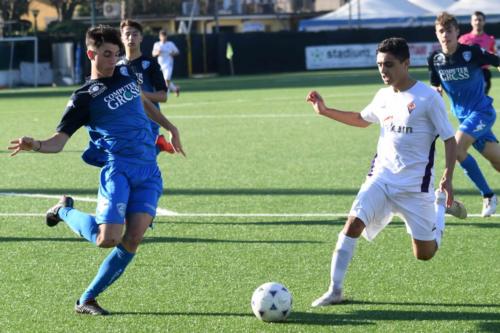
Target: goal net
(19,61)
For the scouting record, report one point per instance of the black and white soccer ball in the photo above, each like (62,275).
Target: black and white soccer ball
(271,302)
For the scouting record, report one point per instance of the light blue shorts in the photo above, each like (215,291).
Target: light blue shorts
(478,125)
(128,189)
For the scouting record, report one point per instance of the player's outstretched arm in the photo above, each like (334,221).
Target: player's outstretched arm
(159,96)
(155,114)
(346,117)
(446,183)
(52,145)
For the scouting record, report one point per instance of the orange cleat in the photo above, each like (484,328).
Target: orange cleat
(164,145)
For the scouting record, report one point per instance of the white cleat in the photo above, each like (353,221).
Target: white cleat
(331,297)
(489,206)
(457,208)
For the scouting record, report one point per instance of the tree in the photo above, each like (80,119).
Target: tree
(66,8)
(12,10)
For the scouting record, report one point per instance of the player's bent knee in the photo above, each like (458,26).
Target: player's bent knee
(424,256)
(354,227)
(107,242)
(132,243)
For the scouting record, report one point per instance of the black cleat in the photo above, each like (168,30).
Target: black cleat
(90,307)
(52,219)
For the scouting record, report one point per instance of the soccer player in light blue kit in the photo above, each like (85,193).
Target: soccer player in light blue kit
(110,105)
(456,69)
(148,71)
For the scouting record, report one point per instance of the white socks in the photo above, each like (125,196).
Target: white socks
(440,218)
(340,259)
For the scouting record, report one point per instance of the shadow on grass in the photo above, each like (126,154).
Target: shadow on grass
(224,191)
(365,317)
(295,318)
(493,327)
(476,305)
(355,318)
(149,240)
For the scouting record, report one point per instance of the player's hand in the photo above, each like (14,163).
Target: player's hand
(24,143)
(317,101)
(446,186)
(175,139)
(439,90)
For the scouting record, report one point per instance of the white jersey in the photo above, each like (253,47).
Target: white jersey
(165,59)
(410,122)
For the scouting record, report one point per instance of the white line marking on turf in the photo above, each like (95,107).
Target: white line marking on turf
(159,211)
(237,116)
(166,212)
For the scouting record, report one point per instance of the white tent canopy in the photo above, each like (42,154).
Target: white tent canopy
(433,6)
(376,9)
(467,7)
(372,14)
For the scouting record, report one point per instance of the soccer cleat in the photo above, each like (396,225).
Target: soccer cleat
(52,217)
(489,206)
(164,145)
(457,208)
(90,307)
(331,297)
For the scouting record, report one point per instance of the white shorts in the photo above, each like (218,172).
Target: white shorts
(167,72)
(376,203)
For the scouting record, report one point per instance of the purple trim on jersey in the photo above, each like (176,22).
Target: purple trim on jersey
(426,180)
(372,166)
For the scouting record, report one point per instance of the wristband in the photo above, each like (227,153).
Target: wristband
(38,147)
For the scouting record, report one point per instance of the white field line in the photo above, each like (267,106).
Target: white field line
(239,116)
(159,211)
(166,212)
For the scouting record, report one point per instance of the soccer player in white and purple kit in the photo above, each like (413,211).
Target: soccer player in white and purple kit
(166,50)
(411,116)
(456,69)
(115,113)
(478,37)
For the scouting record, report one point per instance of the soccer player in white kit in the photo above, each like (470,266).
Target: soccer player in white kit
(166,50)
(400,182)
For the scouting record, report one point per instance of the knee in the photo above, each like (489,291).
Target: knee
(496,165)
(353,227)
(424,256)
(107,242)
(131,241)
(461,154)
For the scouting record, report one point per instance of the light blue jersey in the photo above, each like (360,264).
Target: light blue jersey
(461,77)
(121,142)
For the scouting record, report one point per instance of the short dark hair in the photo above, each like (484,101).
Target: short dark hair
(96,36)
(163,32)
(446,20)
(131,23)
(478,13)
(396,46)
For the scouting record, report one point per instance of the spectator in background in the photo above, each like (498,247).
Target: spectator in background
(479,37)
(166,51)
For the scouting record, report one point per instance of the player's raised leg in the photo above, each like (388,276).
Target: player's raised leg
(81,223)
